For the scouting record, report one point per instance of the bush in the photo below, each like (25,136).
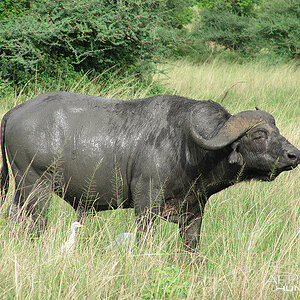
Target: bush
(277,28)
(237,7)
(63,37)
(13,8)
(224,28)
(268,31)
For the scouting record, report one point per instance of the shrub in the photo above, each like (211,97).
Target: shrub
(253,29)
(224,28)
(277,28)
(237,7)
(12,8)
(84,36)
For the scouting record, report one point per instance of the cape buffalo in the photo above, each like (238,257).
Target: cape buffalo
(164,155)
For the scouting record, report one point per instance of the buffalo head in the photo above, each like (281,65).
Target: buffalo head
(256,145)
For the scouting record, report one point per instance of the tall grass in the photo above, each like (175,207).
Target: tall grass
(250,231)
(248,85)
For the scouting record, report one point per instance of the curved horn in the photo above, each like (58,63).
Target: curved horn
(235,126)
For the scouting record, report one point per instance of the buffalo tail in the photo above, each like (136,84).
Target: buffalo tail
(4,176)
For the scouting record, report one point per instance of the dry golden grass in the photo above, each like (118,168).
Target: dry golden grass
(255,85)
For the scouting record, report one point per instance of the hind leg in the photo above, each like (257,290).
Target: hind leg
(31,201)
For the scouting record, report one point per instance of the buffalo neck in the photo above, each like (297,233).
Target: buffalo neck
(211,170)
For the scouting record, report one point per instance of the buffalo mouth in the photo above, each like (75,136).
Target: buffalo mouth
(288,168)
(276,172)
(260,175)
(268,175)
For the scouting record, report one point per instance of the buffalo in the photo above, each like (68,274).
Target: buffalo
(164,156)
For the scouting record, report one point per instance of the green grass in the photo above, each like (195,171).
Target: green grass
(250,231)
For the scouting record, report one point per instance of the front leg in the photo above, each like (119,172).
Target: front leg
(191,219)
(190,232)
(148,199)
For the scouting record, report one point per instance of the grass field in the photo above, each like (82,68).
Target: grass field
(250,233)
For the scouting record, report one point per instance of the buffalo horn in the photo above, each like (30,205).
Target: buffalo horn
(236,126)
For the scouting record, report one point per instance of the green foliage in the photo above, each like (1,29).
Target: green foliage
(13,8)
(238,7)
(63,37)
(180,12)
(277,29)
(222,27)
(166,282)
(268,31)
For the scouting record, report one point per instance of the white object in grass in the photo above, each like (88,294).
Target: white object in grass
(122,240)
(68,246)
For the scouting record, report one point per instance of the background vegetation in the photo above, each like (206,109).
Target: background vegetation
(65,38)
(43,42)
(254,29)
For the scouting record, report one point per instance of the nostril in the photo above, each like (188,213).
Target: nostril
(291,156)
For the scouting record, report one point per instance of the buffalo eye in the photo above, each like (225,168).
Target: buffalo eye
(259,136)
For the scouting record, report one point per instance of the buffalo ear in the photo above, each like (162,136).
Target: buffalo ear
(257,108)
(235,157)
